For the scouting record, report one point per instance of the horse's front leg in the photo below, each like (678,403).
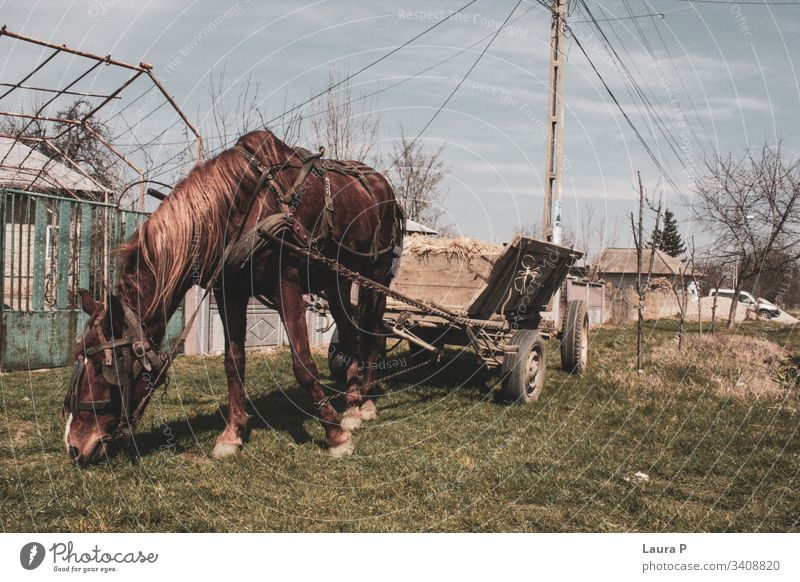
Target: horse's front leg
(342,312)
(291,307)
(233,311)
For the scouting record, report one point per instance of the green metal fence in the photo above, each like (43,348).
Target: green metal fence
(52,247)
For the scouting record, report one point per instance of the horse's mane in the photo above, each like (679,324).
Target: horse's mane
(185,237)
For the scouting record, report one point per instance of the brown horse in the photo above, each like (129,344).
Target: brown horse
(349,212)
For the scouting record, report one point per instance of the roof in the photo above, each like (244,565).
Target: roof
(413,226)
(27,169)
(619,261)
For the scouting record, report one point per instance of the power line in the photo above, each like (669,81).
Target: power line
(461,82)
(649,102)
(389,87)
(493,35)
(661,15)
(625,114)
(636,92)
(685,89)
(732,2)
(373,63)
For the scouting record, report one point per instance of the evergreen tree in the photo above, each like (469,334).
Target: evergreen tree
(668,239)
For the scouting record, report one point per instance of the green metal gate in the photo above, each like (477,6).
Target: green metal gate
(52,247)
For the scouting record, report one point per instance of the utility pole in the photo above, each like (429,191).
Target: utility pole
(551,219)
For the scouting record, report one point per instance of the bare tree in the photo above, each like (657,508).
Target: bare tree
(596,233)
(237,109)
(678,288)
(753,205)
(344,125)
(534,230)
(530,230)
(416,176)
(713,327)
(642,283)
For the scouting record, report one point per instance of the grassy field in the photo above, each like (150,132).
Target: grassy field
(442,456)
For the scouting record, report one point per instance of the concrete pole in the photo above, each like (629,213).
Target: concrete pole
(551,219)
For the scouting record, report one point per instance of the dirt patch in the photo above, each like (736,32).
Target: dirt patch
(785,318)
(733,364)
(19,431)
(723,309)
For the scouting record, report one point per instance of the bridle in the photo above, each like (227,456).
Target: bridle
(127,359)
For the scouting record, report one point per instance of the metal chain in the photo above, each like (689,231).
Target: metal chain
(407,370)
(323,402)
(367,283)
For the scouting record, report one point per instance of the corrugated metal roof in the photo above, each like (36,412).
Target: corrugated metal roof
(616,260)
(27,169)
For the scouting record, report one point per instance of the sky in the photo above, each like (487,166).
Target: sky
(718,78)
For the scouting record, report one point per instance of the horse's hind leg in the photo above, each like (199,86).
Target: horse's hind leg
(233,311)
(289,300)
(342,312)
(372,337)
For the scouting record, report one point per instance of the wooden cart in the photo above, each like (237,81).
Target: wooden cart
(492,302)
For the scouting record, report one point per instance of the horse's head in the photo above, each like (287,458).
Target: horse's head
(112,380)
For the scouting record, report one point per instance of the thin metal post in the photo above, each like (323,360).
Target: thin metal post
(107,59)
(169,98)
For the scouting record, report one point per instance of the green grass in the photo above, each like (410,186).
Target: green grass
(443,455)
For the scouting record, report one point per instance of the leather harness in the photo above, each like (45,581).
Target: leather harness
(278,225)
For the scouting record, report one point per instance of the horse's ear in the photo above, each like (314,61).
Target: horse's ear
(115,316)
(88,304)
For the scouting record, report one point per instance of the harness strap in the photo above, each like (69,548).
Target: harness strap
(108,345)
(291,198)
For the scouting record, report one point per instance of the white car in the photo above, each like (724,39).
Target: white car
(763,307)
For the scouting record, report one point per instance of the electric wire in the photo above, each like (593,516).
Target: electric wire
(371,64)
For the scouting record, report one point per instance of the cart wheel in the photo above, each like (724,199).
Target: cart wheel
(337,359)
(575,338)
(523,371)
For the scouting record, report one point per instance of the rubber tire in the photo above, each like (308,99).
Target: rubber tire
(575,338)
(516,385)
(337,359)
(765,314)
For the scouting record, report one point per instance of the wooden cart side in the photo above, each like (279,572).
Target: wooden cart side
(523,279)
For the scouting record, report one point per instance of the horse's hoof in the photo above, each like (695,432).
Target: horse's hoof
(222,450)
(369,411)
(344,449)
(351,419)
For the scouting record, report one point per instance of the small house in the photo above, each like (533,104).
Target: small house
(617,266)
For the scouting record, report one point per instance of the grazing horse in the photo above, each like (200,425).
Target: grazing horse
(205,233)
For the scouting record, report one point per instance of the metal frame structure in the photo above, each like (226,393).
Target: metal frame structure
(94,62)
(56,233)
